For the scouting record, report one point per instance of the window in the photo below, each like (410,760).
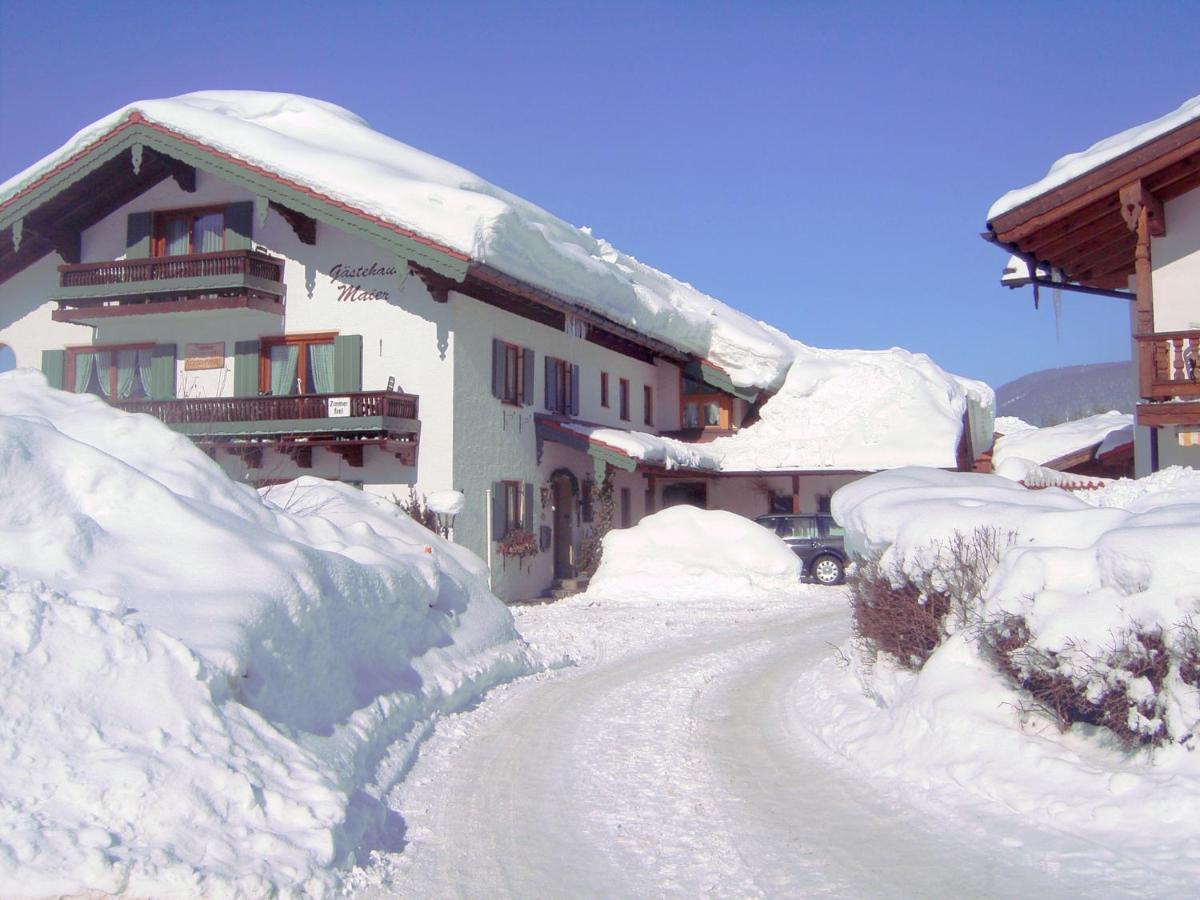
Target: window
(118,373)
(187,231)
(562,387)
(702,407)
(623,399)
(648,404)
(803,527)
(512,373)
(296,364)
(514,506)
(604,389)
(626,508)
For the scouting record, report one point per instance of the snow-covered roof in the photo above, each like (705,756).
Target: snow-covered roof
(1075,164)
(838,410)
(333,151)
(1040,446)
(648,448)
(859,410)
(1011,425)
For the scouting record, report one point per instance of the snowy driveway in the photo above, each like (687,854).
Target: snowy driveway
(671,762)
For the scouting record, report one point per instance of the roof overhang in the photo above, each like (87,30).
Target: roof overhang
(1079,228)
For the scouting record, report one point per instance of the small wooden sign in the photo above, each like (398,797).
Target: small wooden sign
(1189,438)
(339,407)
(204,356)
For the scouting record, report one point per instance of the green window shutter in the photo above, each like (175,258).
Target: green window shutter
(551,386)
(498,369)
(574,390)
(54,367)
(137,235)
(347,363)
(239,226)
(527,519)
(527,400)
(245,369)
(499,510)
(162,372)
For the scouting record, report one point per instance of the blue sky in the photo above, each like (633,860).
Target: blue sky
(824,167)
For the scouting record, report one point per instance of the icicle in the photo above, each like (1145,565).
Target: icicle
(1056,295)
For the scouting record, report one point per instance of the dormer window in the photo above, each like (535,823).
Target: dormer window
(188,231)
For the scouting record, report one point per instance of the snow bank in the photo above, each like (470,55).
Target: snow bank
(1041,446)
(862,410)
(333,151)
(1075,164)
(685,554)
(1083,573)
(200,683)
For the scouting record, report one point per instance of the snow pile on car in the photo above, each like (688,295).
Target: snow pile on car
(204,689)
(333,151)
(683,554)
(1103,586)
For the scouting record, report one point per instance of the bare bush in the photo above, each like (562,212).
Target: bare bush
(908,615)
(1119,688)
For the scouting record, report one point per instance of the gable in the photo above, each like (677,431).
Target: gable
(48,214)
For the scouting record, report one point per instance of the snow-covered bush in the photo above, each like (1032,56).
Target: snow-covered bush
(1087,607)
(907,613)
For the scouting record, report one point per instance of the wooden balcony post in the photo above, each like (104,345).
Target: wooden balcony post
(1143,213)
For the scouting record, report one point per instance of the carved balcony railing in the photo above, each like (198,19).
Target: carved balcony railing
(313,409)
(1170,363)
(228,279)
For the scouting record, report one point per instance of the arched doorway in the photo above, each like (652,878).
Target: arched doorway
(8,359)
(565,487)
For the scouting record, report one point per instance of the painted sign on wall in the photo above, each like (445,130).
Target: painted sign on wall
(203,356)
(352,282)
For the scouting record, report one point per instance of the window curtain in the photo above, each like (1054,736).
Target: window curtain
(126,373)
(283,368)
(85,364)
(209,233)
(176,234)
(104,365)
(320,365)
(146,371)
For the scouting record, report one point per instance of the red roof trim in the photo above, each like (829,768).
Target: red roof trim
(136,118)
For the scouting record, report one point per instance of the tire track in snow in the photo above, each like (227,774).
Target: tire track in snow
(673,771)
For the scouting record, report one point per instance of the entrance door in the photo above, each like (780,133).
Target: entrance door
(564,521)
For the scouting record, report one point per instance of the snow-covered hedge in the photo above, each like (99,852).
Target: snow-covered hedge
(1091,606)
(200,682)
(688,554)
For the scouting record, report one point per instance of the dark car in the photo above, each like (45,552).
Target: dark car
(817,539)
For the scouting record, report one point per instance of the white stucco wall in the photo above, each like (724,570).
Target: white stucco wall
(497,442)
(25,323)
(1176,261)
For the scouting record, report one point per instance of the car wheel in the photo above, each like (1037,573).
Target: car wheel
(827,570)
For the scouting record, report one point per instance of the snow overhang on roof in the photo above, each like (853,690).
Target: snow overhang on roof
(1071,220)
(324,162)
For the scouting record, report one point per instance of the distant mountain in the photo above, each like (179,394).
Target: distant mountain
(1052,396)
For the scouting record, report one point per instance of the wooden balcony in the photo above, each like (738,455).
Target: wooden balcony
(227,280)
(1172,361)
(1169,376)
(294,424)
